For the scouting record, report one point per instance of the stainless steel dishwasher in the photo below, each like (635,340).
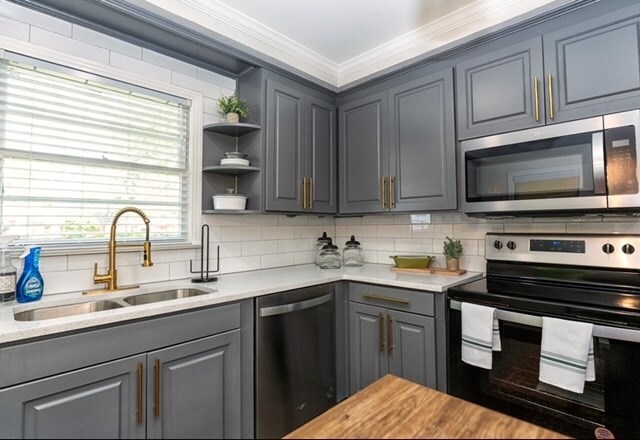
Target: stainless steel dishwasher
(295,358)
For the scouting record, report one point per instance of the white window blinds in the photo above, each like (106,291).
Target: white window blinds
(75,148)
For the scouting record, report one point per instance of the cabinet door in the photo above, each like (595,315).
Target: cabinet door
(97,402)
(321,154)
(285,160)
(422,144)
(412,353)
(496,91)
(368,348)
(595,66)
(194,389)
(363,150)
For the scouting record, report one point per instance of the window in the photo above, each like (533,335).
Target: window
(76,147)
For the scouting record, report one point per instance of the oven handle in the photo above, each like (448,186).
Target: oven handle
(600,331)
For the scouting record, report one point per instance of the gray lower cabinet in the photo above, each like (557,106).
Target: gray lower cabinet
(198,388)
(385,340)
(397,148)
(588,69)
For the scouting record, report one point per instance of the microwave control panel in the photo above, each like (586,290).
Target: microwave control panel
(620,151)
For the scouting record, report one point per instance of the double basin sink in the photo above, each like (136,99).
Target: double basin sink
(98,305)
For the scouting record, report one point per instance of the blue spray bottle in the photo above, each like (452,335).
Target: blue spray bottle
(30,285)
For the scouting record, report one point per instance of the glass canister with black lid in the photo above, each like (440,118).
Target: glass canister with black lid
(330,257)
(352,254)
(320,243)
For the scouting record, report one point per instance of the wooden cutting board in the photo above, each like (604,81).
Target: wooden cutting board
(431,271)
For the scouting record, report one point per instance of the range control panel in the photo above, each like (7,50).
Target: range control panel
(598,250)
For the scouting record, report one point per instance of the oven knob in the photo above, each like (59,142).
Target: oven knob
(628,249)
(608,248)
(511,244)
(497,244)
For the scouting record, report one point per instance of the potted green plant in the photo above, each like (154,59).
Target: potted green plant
(232,108)
(452,250)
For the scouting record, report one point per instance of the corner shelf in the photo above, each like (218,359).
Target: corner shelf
(229,129)
(218,139)
(235,170)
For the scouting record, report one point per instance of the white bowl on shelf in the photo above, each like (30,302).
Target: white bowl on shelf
(234,161)
(229,202)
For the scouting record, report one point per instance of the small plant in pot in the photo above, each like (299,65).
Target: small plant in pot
(452,250)
(232,108)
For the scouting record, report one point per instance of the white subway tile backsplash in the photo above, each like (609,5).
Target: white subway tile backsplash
(348,221)
(87,261)
(360,231)
(475,231)
(307,257)
(14,29)
(227,249)
(68,45)
(240,233)
(313,231)
(211,90)
(277,233)
(293,246)
(259,247)
(296,220)
(414,245)
(35,18)
(215,78)
(602,228)
(535,227)
(51,264)
(140,67)
(394,231)
(321,221)
(106,42)
(259,220)
(276,260)
(432,231)
(69,281)
(239,264)
(159,59)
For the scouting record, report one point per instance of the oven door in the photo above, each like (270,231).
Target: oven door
(557,167)
(610,403)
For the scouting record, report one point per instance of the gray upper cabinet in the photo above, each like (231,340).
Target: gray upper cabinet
(363,154)
(594,66)
(397,148)
(588,69)
(497,91)
(300,167)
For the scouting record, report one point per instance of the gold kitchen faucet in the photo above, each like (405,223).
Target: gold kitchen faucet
(111,277)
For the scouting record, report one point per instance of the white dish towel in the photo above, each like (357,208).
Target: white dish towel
(480,335)
(566,354)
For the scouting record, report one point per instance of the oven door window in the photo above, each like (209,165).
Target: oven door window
(550,168)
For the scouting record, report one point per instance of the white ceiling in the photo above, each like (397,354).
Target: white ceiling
(341,41)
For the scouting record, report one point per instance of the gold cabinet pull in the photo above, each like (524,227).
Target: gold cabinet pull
(384,192)
(310,192)
(536,97)
(156,397)
(386,298)
(304,193)
(140,390)
(389,334)
(550,84)
(381,335)
(392,197)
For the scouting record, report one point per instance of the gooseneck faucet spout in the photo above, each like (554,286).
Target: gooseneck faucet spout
(111,277)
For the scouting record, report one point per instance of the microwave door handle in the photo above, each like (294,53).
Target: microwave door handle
(599,331)
(597,152)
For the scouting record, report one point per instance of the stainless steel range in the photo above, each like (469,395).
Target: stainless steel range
(586,278)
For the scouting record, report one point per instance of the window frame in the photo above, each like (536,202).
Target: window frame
(194,200)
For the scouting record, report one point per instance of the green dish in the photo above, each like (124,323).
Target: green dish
(412,261)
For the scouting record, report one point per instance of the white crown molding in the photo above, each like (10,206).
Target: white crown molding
(481,14)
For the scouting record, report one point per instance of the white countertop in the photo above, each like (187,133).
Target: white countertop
(229,287)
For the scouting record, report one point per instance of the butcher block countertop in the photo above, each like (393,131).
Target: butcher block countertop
(396,408)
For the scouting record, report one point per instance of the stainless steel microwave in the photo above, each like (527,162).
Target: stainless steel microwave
(588,165)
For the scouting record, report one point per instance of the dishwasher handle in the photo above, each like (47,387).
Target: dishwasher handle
(294,307)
